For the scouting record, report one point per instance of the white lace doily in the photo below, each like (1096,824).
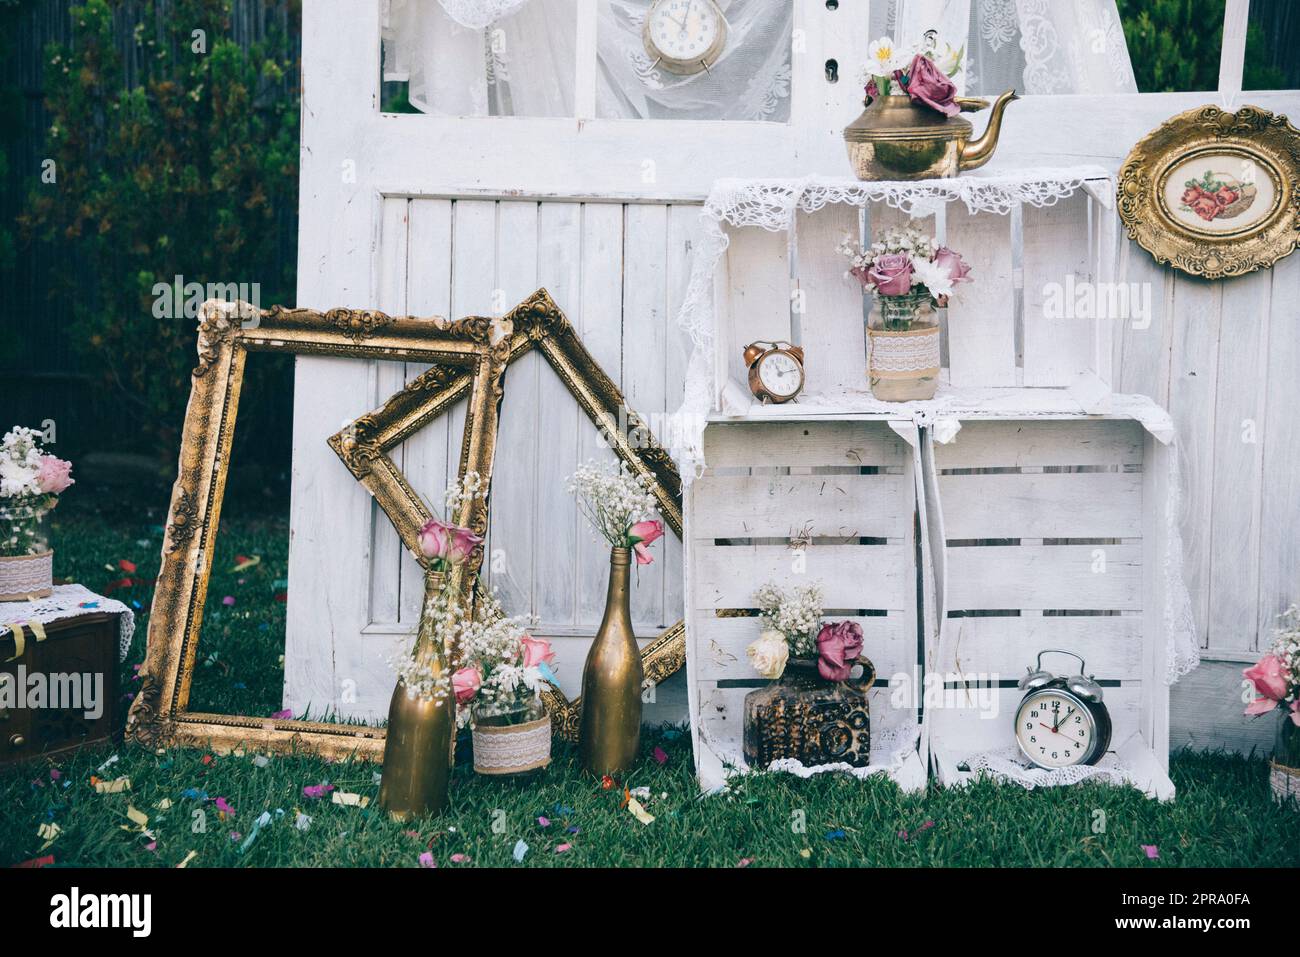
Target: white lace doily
(1010,765)
(890,748)
(67,601)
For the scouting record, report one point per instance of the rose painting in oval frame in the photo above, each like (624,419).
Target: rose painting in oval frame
(1213,193)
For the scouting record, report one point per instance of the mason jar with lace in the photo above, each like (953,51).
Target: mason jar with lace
(26,559)
(510,739)
(903,347)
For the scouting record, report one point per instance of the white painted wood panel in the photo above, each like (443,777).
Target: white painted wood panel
(1042,505)
(851,576)
(783,506)
(1045,577)
(776,444)
(1041,444)
(1057,348)
(1006,646)
(981,313)
(978,719)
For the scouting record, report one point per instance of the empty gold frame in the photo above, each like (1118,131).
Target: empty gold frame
(536,323)
(462,350)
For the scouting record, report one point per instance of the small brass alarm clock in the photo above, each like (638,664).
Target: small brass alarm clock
(775,370)
(684,36)
(1061,720)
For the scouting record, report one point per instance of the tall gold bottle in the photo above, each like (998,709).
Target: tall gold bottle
(417,748)
(609,731)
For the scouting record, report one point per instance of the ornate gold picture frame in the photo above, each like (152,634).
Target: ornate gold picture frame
(227,333)
(536,323)
(1215,194)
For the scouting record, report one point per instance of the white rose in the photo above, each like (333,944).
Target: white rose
(769,653)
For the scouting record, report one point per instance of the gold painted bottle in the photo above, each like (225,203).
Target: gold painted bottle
(609,731)
(417,747)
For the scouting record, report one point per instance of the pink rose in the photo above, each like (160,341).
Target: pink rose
(838,647)
(891,274)
(536,651)
(1191,194)
(54,475)
(1225,196)
(448,543)
(958,271)
(465,683)
(927,85)
(642,534)
(1269,679)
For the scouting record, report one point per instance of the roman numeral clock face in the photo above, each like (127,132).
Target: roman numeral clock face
(1054,730)
(684,34)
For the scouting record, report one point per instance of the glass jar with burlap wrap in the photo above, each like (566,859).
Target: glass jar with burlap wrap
(902,339)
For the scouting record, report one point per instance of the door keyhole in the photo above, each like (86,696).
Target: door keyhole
(832,71)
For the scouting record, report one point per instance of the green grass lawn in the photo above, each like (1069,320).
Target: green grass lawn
(1223,816)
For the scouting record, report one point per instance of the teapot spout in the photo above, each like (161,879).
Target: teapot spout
(976,153)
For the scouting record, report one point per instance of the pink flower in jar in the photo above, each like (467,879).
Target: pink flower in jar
(465,683)
(55,475)
(958,271)
(536,651)
(891,274)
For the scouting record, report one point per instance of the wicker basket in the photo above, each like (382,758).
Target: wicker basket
(512,748)
(1285,782)
(26,576)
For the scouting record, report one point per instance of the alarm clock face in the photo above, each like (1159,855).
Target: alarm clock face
(780,374)
(683,30)
(1055,729)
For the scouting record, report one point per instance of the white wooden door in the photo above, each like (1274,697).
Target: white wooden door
(431,215)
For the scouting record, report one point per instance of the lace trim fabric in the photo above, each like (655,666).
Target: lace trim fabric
(26,575)
(1010,765)
(477,14)
(890,748)
(904,354)
(67,601)
(512,749)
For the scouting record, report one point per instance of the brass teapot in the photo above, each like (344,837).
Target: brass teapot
(895,138)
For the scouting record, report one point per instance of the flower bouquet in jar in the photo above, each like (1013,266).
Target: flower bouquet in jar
(31,481)
(909,274)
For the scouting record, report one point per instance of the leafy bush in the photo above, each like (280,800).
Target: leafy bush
(1176,44)
(181,161)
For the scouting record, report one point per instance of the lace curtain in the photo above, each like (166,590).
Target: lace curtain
(1034,46)
(518,58)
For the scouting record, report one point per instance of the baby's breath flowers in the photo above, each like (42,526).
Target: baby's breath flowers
(795,615)
(31,482)
(503,668)
(619,506)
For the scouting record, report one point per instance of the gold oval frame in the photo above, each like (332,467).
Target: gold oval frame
(1265,138)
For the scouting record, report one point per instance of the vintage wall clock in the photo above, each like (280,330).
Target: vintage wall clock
(684,36)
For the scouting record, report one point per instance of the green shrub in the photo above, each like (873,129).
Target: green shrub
(189,169)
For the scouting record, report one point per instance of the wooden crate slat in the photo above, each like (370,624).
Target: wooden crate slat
(828,304)
(758,277)
(1006,646)
(965,730)
(889,641)
(1029,443)
(782,506)
(851,576)
(1042,505)
(981,313)
(1045,577)
(800,444)
(1055,245)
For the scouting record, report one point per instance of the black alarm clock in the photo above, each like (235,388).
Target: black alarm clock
(1061,720)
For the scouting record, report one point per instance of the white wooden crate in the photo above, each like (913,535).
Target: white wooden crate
(998,331)
(852,487)
(1054,536)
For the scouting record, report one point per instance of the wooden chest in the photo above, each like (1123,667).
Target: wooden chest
(61,692)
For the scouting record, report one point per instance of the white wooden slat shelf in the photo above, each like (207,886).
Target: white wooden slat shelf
(1054,537)
(850,487)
